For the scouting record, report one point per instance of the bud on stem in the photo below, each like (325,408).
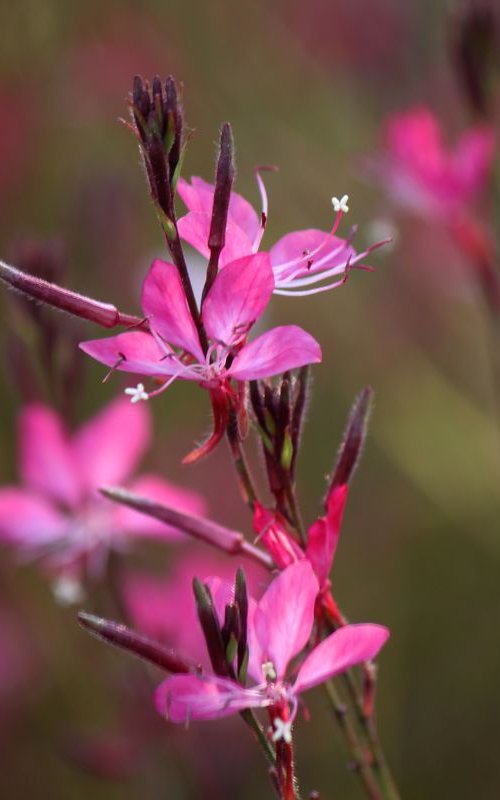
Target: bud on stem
(353,441)
(103,314)
(224,178)
(126,639)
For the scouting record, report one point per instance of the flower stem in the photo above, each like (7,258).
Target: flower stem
(253,723)
(245,480)
(363,768)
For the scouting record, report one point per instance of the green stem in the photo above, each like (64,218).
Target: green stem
(253,723)
(348,729)
(245,481)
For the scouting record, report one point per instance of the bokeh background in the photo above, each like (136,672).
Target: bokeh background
(307,86)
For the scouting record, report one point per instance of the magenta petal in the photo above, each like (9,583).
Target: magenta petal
(185,697)
(110,445)
(199,196)
(340,651)
(134,351)
(194,228)
(282,348)
(293,246)
(165,306)
(28,520)
(238,297)
(161,491)
(285,614)
(324,534)
(47,463)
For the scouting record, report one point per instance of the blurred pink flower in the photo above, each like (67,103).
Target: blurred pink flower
(57,514)
(279,626)
(153,603)
(421,174)
(236,300)
(300,260)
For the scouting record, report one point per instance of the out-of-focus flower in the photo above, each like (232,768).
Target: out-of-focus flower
(417,170)
(154,603)
(237,298)
(279,626)
(300,261)
(58,515)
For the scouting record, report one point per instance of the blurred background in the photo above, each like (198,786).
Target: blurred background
(307,86)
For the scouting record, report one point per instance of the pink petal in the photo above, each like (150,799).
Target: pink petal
(340,651)
(238,297)
(165,306)
(46,461)
(134,351)
(199,196)
(271,531)
(194,228)
(28,520)
(156,488)
(285,614)
(293,246)
(185,697)
(110,445)
(324,534)
(282,348)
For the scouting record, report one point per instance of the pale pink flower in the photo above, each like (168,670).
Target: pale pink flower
(420,173)
(300,261)
(236,300)
(279,627)
(153,603)
(57,514)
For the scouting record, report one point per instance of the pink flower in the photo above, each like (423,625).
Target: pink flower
(154,603)
(420,173)
(238,297)
(279,627)
(300,260)
(57,514)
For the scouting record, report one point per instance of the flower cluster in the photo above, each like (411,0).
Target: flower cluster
(243,654)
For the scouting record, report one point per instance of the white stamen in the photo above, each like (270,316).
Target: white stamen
(137,393)
(340,205)
(282,730)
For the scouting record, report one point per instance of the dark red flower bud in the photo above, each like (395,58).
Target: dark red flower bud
(354,439)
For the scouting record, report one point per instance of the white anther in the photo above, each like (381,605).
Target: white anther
(340,205)
(282,730)
(269,671)
(137,393)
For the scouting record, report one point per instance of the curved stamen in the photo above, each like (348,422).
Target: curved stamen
(278,268)
(264,213)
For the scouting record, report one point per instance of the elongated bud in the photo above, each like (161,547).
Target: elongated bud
(224,178)
(126,639)
(231,631)
(209,622)
(475,45)
(223,538)
(354,439)
(103,314)
(301,390)
(223,184)
(241,600)
(175,126)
